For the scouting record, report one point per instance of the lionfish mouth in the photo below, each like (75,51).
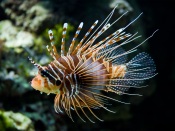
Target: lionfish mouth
(87,70)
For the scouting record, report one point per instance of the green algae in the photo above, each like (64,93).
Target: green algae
(15,121)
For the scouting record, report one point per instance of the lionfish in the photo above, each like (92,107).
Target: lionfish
(80,76)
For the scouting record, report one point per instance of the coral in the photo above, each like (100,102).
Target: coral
(15,121)
(27,14)
(12,37)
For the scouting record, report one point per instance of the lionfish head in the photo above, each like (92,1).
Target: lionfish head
(44,81)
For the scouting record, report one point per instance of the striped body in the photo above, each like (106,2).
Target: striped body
(79,76)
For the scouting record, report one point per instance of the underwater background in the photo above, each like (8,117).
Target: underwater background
(23,32)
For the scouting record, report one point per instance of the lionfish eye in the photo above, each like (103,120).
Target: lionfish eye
(58,82)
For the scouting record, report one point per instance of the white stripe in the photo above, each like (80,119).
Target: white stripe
(64,32)
(71,60)
(62,40)
(54,72)
(58,69)
(42,84)
(59,64)
(65,25)
(81,25)
(87,34)
(67,61)
(50,74)
(49,83)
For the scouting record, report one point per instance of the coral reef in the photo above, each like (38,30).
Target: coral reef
(28,14)
(12,37)
(15,121)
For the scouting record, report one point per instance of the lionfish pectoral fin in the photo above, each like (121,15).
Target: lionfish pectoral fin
(98,103)
(57,104)
(69,102)
(104,96)
(112,89)
(73,103)
(83,110)
(89,108)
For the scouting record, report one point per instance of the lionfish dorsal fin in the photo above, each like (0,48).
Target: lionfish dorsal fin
(94,36)
(35,64)
(119,38)
(90,42)
(52,52)
(85,36)
(132,49)
(74,38)
(63,39)
(113,38)
(101,44)
(104,28)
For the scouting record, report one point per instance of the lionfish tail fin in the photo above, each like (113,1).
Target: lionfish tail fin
(141,66)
